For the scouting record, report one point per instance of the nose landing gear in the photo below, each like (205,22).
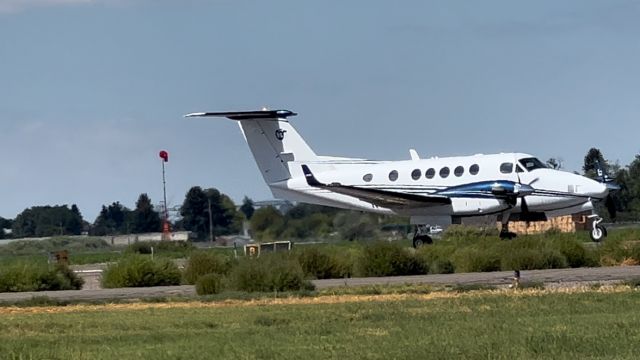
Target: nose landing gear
(598,232)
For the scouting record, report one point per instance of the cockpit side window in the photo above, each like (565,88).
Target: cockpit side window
(506,168)
(532,164)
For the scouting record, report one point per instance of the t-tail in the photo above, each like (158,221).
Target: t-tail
(272,140)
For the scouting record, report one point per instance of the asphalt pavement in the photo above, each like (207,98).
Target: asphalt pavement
(552,278)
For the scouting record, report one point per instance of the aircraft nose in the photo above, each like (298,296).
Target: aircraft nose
(594,189)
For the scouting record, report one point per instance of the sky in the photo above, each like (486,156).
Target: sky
(92,90)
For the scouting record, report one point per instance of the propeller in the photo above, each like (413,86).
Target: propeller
(523,190)
(610,202)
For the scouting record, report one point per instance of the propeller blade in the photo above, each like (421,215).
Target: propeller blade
(523,205)
(611,207)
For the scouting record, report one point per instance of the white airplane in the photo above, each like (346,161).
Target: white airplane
(442,191)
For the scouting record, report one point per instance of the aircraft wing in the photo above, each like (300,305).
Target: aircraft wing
(382,198)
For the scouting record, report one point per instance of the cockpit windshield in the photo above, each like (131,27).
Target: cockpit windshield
(532,164)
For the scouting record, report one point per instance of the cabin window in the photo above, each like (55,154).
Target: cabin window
(474,169)
(415,174)
(367,177)
(458,171)
(430,173)
(444,172)
(532,164)
(506,168)
(519,169)
(393,175)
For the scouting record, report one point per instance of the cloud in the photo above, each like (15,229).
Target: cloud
(13,6)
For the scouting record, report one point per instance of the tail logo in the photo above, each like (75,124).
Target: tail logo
(280,134)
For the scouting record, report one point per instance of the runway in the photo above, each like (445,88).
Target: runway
(551,278)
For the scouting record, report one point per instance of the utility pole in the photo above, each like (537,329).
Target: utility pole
(210,220)
(166,231)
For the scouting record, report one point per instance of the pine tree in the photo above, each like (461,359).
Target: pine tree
(145,219)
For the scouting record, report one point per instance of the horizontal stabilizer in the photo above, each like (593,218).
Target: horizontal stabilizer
(247,115)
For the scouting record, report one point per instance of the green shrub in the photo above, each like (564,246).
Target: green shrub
(532,259)
(73,245)
(140,247)
(19,277)
(269,272)
(476,259)
(144,247)
(464,234)
(141,271)
(441,266)
(209,284)
(437,257)
(575,253)
(324,262)
(202,263)
(389,259)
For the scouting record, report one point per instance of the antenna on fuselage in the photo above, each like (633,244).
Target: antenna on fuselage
(414,154)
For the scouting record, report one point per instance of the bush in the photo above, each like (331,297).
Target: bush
(201,263)
(575,253)
(38,277)
(269,272)
(144,247)
(209,284)
(73,245)
(463,234)
(476,259)
(437,257)
(141,271)
(532,259)
(389,259)
(324,262)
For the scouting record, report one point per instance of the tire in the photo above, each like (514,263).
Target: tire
(421,240)
(598,233)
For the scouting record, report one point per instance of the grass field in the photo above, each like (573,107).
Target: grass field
(530,323)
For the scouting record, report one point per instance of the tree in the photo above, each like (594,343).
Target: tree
(4,224)
(352,225)
(75,224)
(628,197)
(247,208)
(48,221)
(114,219)
(195,213)
(591,160)
(267,223)
(555,163)
(145,219)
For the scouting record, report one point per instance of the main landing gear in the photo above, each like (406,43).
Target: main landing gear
(505,234)
(421,237)
(598,232)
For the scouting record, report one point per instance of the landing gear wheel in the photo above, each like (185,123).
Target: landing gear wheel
(507,235)
(419,241)
(598,233)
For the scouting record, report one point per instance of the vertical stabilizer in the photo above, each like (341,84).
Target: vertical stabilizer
(274,143)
